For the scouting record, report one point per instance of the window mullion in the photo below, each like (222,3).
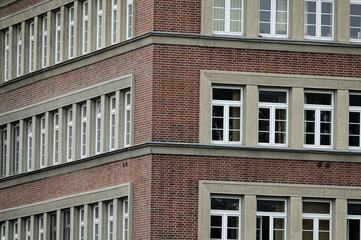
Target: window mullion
(224,226)
(273,17)
(227,16)
(272,124)
(226,123)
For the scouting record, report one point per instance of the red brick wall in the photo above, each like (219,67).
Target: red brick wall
(17,6)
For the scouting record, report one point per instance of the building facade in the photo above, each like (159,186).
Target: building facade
(192,119)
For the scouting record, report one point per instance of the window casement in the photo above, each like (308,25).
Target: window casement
(225,218)
(4,144)
(110,221)
(95,223)
(52,217)
(273,18)
(318,119)
(85,26)
(316,220)
(6,56)
(272,117)
(42,142)
(69,134)
(125,220)
(3,231)
(83,130)
(66,225)
(319,19)
(31,46)
(114,21)
(98,116)
(41,227)
(16,148)
(129,19)
(228,17)
(71,32)
(355,21)
(29,148)
(226,115)
(56,138)
(353,220)
(271,219)
(28,229)
(127,119)
(44,41)
(81,224)
(57,36)
(15,230)
(354,135)
(99,23)
(112,123)
(18,50)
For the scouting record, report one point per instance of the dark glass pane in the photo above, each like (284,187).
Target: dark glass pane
(354,229)
(310,115)
(265,228)
(263,125)
(355,100)
(316,207)
(307,235)
(265,4)
(224,204)
(310,127)
(281,114)
(354,209)
(217,111)
(310,139)
(355,33)
(234,112)
(310,7)
(264,28)
(263,137)
(326,31)
(217,123)
(311,30)
(324,225)
(270,206)
(216,233)
(354,117)
(234,124)
(354,129)
(307,224)
(311,18)
(325,140)
(325,128)
(318,98)
(280,126)
(264,16)
(279,223)
(232,234)
(274,97)
(280,138)
(217,135)
(355,9)
(233,221)
(216,221)
(354,141)
(326,7)
(355,22)
(263,113)
(326,20)
(324,236)
(234,136)
(278,235)
(226,94)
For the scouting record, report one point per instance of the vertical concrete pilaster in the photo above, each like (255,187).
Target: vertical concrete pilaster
(249,210)
(342,21)
(250,16)
(339,216)
(295,218)
(296,118)
(341,120)
(250,119)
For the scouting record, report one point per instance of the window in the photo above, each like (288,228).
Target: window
(16,149)
(129,18)
(69,138)
(42,142)
(272,117)
(4,144)
(66,225)
(355,21)
(273,18)
(225,218)
(125,220)
(6,56)
(316,220)
(15,230)
(112,105)
(18,51)
(31,47)
(226,115)
(95,222)
(85,27)
(354,121)
(44,41)
(127,119)
(41,228)
(56,138)
(83,130)
(110,221)
(271,219)
(53,226)
(319,19)
(318,115)
(227,16)
(28,228)
(71,32)
(353,220)
(57,37)
(99,23)
(114,21)
(3,231)
(98,115)
(29,145)
(81,224)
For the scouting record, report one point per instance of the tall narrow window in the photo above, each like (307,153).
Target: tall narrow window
(353,220)
(316,220)
(16,149)
(3,231)
(69,134)
(354,133)
(42,142)
(56,138)
(81,224)
(15,230)
(27,229)
(355,21)
(85,27)
(112,106)
(66,225)
(114,20)
(6,57)
(52,226)
(271,219)
(57,36)
(318,123)
(95,223)
(129,18)
(225,218)
(97,125)
(31,47)
(83,130)
(29,145)
(273,18)
(18,51)
(226,115)
(44,41)
(4,144)
(110,221)
(227,16)
(127,119)
(41,228)
(125,220)
(319,19)
(272,117)
(99,23)
(71,32)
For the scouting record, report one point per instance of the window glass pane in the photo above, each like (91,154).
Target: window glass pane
(216,227)
(326,7)
(316,207)
(355,100)
(324,225)
(264,28)
(324,236)
(353,229)
(270,206)
(227,94)
(232,231)
(265,4)
(307,235)
(236,3)
(318,98)
(307,224)
(271,96)
(354,209)
(224,204)
(326,31)
(219,3)
(355,9)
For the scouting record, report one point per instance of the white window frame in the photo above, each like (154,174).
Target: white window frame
(44,45)
(226,104)
(273,21)
(110,232)
(112,121)
(98,116)
(56,138)
(354,109)
(96,222)
(57,36)
(127,119)
(18,50)
(42,141)
(352,217)
(227,19)
(6,55)
(272,216)
(31,46)
(316,217)
(15,230)
(129,21)
(355,2)
(16,149)
(3,231)
(318,20)
(99,23)
(272,108)
(114,21)
(71,33)
(85,26)
(29,151)
(81,223)
(4,143)
(83,130)
(227,213)
(69,135)
(41,228)
(125,219)
(28,228)
(318,109)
